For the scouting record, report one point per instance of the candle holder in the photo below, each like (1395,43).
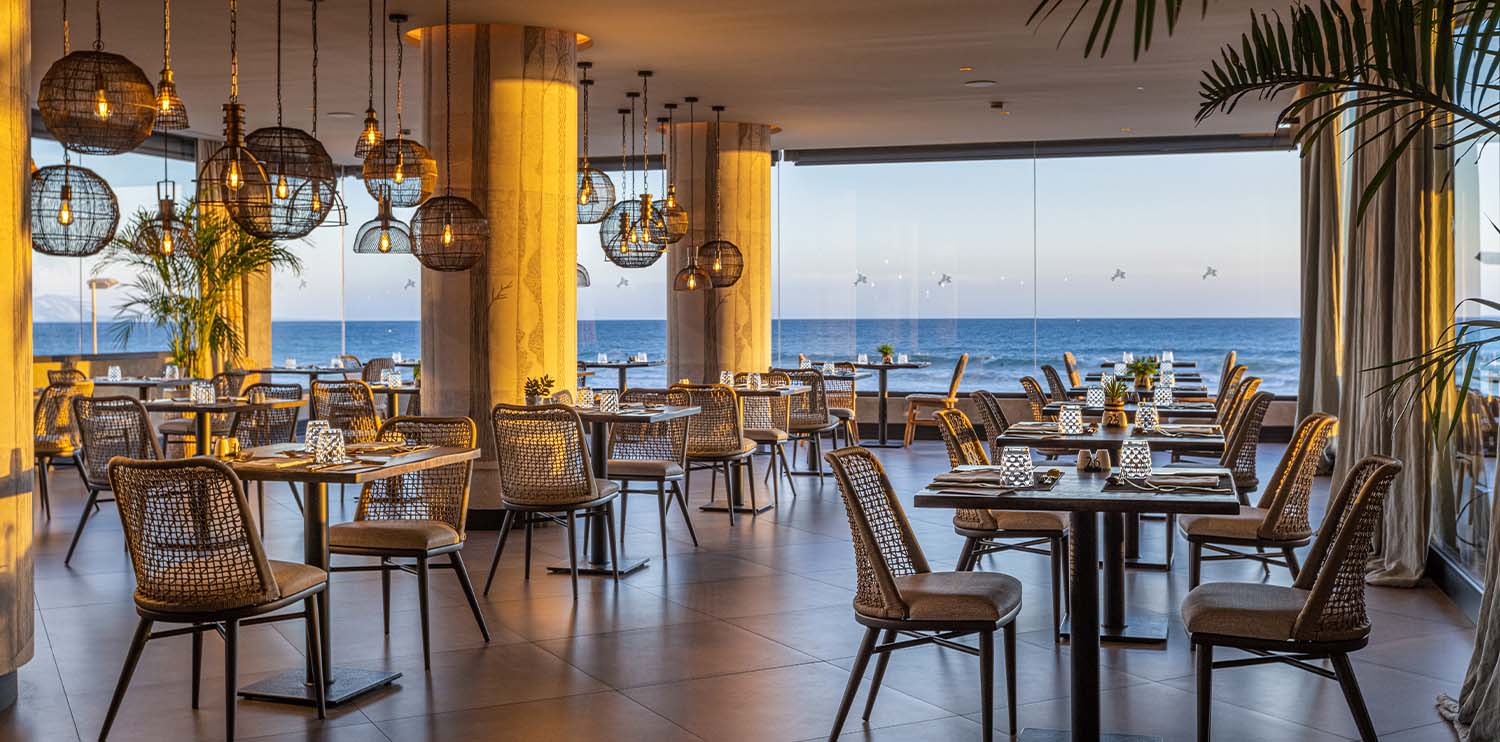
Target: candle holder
(1168,379)
(201,392)
(335,362)
(1119,369)
(328,447)
(1094,396)
(609,401)
(903,358)
(1016,469)
(1105,379)
(396,357)
(755,381)
(315,428)
(1070,420)
(170,372)
(862,358)
(601,358)
(1145,417)
(726,378)
(1164,366)
(643,358)
(585,398)
(1135,459)
(804,363)
(1162,395)
(114,373)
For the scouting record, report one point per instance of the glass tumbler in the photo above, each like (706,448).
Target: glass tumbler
(1070,420)
(609,400)
(1016,469)
(1145,417)
(1135,459)
(1162,395)
(1094,397)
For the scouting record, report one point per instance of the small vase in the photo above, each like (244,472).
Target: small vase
(1114,415)
(533,400)
(887,359)
(1143,382)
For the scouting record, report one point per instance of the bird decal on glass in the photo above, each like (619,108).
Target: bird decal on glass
(945,281)
(1119,274)
(411,283)
(623,283)
(1210,272)
(302,284)
(861,279)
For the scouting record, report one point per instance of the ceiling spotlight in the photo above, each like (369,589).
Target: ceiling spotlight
(979,83)
(1140,88)
(340,114)
(965,68)
(1126,129)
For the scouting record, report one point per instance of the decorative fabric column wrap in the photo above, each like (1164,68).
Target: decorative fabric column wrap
(725,329)
(1322,270)
(514,154)
(1399,281)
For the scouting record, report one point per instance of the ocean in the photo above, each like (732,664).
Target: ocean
(1001,350)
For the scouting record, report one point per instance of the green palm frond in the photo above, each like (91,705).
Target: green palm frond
(1107,20)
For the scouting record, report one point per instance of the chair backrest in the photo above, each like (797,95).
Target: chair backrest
(1335,570)
(958,376)
(1241,392)
(110,427)
(718,429)
(1242,441)
(1070,365)
(441,493)
(65,376)
(1229,378)
(663,441)
(374,367)
(351,361)
(1285,499)
(229,383)
(263,427)
(52,422)
(1057,389)
(964,446)
(347,405)
(840,391)
(190,536)
(1230,359)
(542,457)
(991,417)
(765,413)
(810,409)
(884,545)
(1036,398)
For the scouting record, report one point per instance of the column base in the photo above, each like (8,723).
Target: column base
(10,685)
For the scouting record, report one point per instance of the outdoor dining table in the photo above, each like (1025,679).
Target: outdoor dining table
(311,372)
(203,413)
(1085,496)
(289,462)
(599,421)
(1185,391)
(392,405)
(882,372)
(1191,377)
(1175,364)
(1184,411)
(621,366)
(142,385)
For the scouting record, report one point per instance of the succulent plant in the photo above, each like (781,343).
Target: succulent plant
(1115,390)
(539,387)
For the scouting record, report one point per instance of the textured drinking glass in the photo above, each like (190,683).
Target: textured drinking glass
(1162,395)
(903,358)
(1164,366)
(1070,420)
(645,358)
(201,392)
(1135,459)
(609,400)
(755,381)
(1105,378)
(290,362)
(1094,397)
(170,372)
(315,428)
(1168,356)
(1168,379)
(1016,469)
(114,373)
(862,358)
(585,397)
(396,357)
(1129,357)
(1146,417)
(328,448)
(601,358)
(804,363)
(726,378)
(1119,369)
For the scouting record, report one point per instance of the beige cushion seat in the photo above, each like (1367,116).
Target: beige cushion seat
(927,398)
(959,596)
(1244,609)
(812,427)
(766,435)
(291,578)
(54,448)
(294,577)
(187,426)
(1016,520)
(644,468)
(842,413)
(1243,525)
(747,446)
(405,535)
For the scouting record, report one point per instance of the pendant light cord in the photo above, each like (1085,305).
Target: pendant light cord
(662,140)
(585,83)
(98,26)
(370,46)
(645,140)
(447,95)
(278,60)
(692,165)
(718,210)
(385,66)
(400,61)
(314,67)
(67,46)
(166,35)
(624,163)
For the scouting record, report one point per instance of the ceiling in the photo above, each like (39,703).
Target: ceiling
(829,73)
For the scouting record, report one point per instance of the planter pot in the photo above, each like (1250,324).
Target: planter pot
(533,400)
(887,360)
(1114,415)
(1143,383)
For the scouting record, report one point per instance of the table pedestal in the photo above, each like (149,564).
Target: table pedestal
(736,488)
(1118,624)
(882,422)
(598,547)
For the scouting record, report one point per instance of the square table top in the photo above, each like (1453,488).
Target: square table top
(1175,364)
(636,414)
(877,365)
(1184,390)
(1197,410)
(767,390)
(260,466)
(1163,439)
(411,388)
(622,364)
(143,381)
(220,405)
(1085,492)
(1190,376)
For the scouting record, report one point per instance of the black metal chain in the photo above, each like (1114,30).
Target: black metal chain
(585,83)
(624,164)
(166,35)
(692,164)
(400,60)
(98,26)
(385,65)
(66,44)
(645,138)
(448,95)
(662,140)
(278,60)
(718,194)
(234,52)
(315,67)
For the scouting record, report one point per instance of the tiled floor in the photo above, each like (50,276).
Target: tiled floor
(746,638)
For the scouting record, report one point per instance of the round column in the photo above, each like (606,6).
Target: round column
(726,329)
(514,153)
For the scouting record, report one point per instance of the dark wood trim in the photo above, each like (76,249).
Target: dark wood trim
(1109,147)
(1454,581)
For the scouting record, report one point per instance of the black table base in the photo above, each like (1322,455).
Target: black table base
(598,569)
(292,687)
(1063,735)
(1140,627)
(597,560)
(741,508)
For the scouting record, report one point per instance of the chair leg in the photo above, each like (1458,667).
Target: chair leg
(260,507)
(688,519)
(42,465)
(462,572)
(662,501)
(83,520)
(315,652)
(748,469)
(713,483)
(775,477)
(786,470)
(529,525)
(572,552)
(138,643)
(910,428)
(422,574)
(987,684)
(875,680)
(1345,671)
(231,674)
(506,524)
(296,495)
(385,595)
(1009,637)
(1195,564)
(966,554)
(856,674)
(197,662)
(1291,560)
(1205,683)
(1171,536)
(1057,578)
(608,513)
(624,500)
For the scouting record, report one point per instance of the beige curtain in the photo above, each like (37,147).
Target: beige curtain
(1476,712)
(1399,294)
(1322,271)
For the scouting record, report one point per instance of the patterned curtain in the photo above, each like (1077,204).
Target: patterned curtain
(1322,270)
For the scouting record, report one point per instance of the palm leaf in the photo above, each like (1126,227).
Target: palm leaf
(1106,20)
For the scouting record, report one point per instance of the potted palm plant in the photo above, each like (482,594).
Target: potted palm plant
(1143,370)
(192,294)
(887,353)
(538,389)
(1115,391)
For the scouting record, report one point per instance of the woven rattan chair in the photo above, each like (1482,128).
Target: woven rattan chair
(545,475)
(1278,522)
(716,438)
(418,516)
(767,420)
(654,453)
(65,376)
(53,436)
(1229,385)
(1037,399)
(182,430)
(1056,389)
(1070,367)
(353,367)
(916,404)
(896,593)
(107,427)
(810,417)
(995,531)
(197,562)
(1321,616)
(348,406)
(374,367)
(843,399)
(264,427)
(1230,360)
(991,418)
(1241,390)
(563,397)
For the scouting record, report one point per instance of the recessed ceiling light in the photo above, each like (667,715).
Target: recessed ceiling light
(965,68)
(1283,124)
(980,83)
(1126,129)
(1140,88)
(340,114)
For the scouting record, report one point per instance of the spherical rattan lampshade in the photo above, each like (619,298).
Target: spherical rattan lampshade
(73,211)
(301,177)
(620,251)
(596,194)
(405,168)
(233,179)
(692,278)
(397,238)
(96,102)
(450,233)
(584,281)
(722,261)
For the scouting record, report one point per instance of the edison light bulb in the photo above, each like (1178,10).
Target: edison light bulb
(400,176)
(166,242)
(234,180)
(282,191)
(166,104)
(585,193)
(370,135)
(447,234)
(692,281)
(385,241)
(101,103)
(718,265)
(65,213)
(317,202)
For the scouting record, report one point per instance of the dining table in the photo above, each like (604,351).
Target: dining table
(1088,498)
(369,462)
(1178,411)
(1182,390)
(143,385)
(599,422)
(882,375)
(1188,377)
(312,372)
(622,367)
(203,413)
(1176,363)
(736,497)
(392,394)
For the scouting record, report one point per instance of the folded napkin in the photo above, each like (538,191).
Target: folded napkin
(1183,480)
(1033,427)
(1194,429)
(970,476)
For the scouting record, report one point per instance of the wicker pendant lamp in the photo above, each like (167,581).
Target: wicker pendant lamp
(401,166)
(383,235)
(232,178)
(299,169)
(672,214)
(596,193)
(449,233)
(633,234)
(721,258)
(370,137)
(73,211)
(691,277)
(96,102)
(169,233)
(171,114)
